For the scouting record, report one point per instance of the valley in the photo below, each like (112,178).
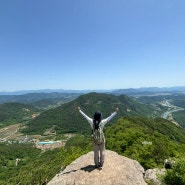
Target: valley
(171,109)
(11,134)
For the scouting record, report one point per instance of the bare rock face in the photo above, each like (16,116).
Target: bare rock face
(117,170)
(154,174)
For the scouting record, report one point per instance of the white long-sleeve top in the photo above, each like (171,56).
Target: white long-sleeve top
(103,121)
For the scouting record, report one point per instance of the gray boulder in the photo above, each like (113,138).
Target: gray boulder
(153,175)
(117,170)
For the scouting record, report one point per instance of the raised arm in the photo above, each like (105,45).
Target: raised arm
(112,115)
(90,120)
(106,120)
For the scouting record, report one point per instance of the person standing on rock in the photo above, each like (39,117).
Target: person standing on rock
(97,124)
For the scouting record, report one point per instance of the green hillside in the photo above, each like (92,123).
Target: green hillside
(66,118)
(180,117)
(11,113)
(149,141)
(33,166)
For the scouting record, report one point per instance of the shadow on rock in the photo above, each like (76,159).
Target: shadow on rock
(89,168)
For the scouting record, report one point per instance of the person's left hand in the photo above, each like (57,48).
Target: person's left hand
(117,109)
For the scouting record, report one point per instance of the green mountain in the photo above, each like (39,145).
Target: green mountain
(11,113)
(66,118)
(149,141)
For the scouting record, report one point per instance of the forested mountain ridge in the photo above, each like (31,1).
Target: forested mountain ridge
(11,113)
(147,140)
(66,118)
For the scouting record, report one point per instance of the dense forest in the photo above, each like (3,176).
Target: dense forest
(33,165)
(180,117)
(149,141)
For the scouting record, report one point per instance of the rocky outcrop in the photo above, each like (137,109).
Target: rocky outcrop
(117,170)
(153,175)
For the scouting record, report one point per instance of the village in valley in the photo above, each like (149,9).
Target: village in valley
(11,135)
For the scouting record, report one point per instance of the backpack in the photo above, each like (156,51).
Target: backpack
(97,133)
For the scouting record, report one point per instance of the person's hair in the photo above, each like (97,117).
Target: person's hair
(97,119)
(97,116)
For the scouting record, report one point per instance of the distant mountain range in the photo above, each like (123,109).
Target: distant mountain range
(51,97)
(128,91)
(40,100)
(51,91)
(149,90)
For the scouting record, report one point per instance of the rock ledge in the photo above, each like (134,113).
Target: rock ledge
(117,170)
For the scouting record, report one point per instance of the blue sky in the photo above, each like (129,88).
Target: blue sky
(91,44)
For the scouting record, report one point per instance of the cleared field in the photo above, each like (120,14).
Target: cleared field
(9,132)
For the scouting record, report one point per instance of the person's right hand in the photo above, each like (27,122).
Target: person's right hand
(78,108)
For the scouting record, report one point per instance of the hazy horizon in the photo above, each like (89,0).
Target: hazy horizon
(58,90)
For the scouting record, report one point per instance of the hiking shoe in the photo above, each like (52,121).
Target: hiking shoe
(100,165)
